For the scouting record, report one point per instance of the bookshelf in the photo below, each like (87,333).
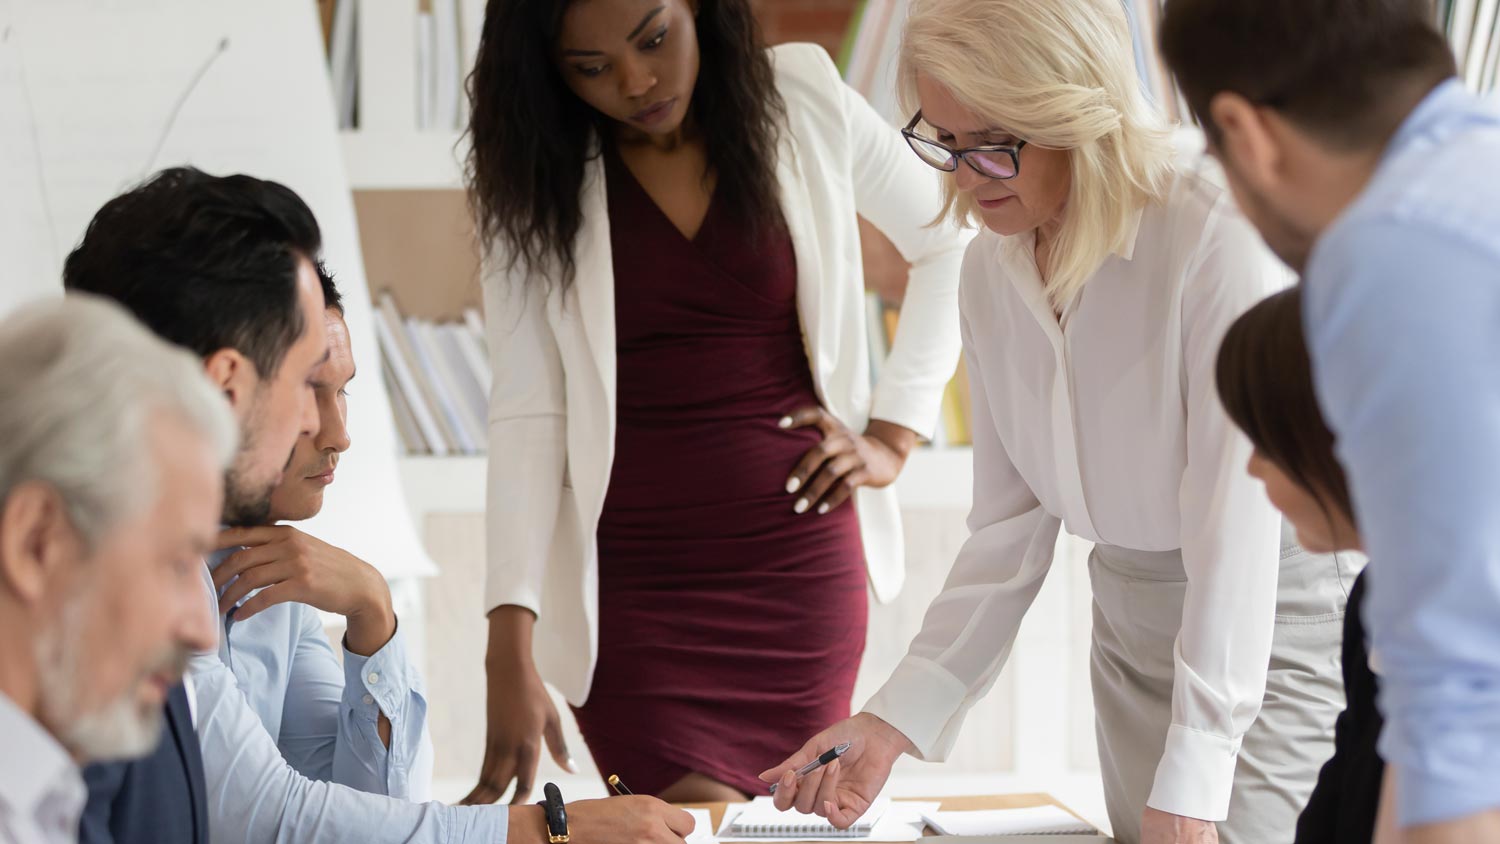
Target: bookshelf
(388,149)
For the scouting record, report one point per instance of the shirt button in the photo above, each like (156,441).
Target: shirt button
(374,677)
(369,700)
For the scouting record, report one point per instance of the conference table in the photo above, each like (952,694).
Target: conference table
(949,804)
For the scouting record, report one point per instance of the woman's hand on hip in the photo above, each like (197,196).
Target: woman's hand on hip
(1158,827)
(843,789)
(519,713)
(844,461)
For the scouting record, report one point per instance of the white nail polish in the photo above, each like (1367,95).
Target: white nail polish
(822,508)
(785,422)
(800,506)
(572,766)
(793,484)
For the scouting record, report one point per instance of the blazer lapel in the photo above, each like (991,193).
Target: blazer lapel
(180,723)
(796,210)
(593,296)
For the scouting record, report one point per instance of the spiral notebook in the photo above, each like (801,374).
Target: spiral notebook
(1037,820)
(760,819)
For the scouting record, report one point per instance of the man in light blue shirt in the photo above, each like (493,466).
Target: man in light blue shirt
(1367,166)
(227,267)
(360,724)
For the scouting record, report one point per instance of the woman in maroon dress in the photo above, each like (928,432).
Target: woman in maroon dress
(682,400)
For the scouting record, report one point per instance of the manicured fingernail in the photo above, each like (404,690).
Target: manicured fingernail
(785,422)
(793,484)
(827,809)
(823,508)
(572,766)
(800,506)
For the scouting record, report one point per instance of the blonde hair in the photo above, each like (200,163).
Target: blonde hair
(1061,74)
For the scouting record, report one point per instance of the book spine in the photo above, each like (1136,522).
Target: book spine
(403,368)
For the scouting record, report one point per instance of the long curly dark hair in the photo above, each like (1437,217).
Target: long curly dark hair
(530,135)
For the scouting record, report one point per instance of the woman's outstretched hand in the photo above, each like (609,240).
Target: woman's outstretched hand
(842,790)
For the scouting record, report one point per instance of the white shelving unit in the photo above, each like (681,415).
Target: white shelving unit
(388,151)
(934,479)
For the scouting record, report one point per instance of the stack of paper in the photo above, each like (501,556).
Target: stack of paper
(884,822)
(1040,820)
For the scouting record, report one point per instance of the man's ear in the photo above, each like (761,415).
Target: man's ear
(235,375)
(1247,142)
(36,536)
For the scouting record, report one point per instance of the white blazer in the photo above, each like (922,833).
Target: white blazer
(552,403)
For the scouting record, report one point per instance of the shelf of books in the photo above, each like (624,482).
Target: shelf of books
(397,71)
(438,373)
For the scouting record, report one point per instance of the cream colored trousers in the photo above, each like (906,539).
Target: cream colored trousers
(1138,598)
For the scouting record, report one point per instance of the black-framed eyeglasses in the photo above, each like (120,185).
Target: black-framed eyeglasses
(998,161)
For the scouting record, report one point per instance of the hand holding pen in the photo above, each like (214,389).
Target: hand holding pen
(827,758)
(842,789)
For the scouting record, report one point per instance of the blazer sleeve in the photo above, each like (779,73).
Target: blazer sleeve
(903,198)
(527,441)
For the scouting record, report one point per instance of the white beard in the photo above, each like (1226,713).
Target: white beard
(117,730)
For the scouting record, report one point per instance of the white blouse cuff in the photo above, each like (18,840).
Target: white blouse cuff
(920,700)
(1195,775)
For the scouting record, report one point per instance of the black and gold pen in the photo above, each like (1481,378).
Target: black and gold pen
(618,786)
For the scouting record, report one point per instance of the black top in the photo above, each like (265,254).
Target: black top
(1344,803)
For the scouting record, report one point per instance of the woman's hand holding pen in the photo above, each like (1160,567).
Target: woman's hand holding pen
(844,461)
(842,790)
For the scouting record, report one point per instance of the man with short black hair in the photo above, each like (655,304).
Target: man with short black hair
(359,721)
(1370,169)
(227,266)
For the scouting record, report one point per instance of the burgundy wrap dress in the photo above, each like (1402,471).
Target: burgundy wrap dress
(730,628)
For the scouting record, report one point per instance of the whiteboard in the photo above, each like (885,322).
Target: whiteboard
(97,94)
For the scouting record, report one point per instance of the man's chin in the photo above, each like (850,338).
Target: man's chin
(306,505)
(125,729)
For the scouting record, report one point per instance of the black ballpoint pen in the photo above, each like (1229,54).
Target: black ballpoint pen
(817,763)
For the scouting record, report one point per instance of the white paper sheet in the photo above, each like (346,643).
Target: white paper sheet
(703,829)
(1040,820)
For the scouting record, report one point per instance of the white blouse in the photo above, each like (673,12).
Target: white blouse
(1109,420)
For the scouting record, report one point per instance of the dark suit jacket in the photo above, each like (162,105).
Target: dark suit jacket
(158,799)
(1344,803)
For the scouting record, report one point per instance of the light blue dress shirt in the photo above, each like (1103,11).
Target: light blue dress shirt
(325,718)
(254,796)
(1402,310)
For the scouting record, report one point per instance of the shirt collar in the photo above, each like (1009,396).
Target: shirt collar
(1126,247)
(40,769)
(1448,98)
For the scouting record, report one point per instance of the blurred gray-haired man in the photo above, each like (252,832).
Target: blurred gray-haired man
(113,448)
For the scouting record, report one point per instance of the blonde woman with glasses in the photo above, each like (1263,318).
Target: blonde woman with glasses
(1092,310)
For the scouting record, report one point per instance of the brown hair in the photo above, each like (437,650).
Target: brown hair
(1265,382)
(1346,70)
